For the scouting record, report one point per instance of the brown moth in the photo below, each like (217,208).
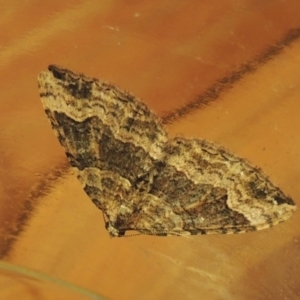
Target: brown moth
(143,180)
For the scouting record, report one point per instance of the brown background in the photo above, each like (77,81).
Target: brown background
(227,71)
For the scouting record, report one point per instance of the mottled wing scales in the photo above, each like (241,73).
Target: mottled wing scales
(144,181)
(110,138)
(217,192)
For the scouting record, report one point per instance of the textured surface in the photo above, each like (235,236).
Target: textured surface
(144,181)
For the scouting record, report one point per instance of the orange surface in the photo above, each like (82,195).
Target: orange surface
(226,71)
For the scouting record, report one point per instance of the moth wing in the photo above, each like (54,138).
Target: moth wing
(214,191)
(110,137)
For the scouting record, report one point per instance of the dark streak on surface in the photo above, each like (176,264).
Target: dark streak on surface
(42,188)
(227,82)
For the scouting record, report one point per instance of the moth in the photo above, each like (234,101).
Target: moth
(142,179)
